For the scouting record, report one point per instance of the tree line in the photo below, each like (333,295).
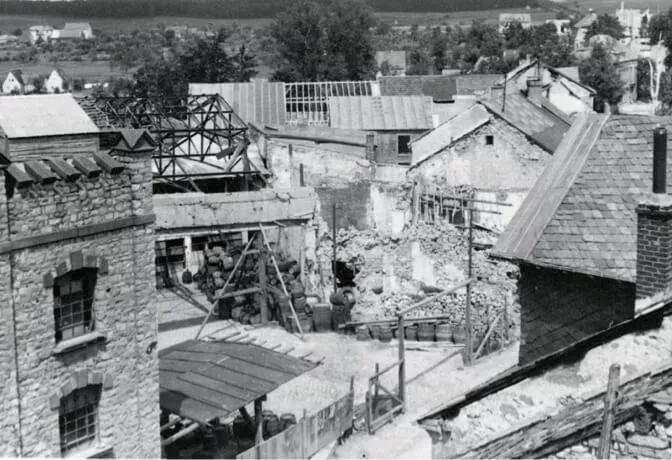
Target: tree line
(238,9)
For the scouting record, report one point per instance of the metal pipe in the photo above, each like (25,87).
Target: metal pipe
(660,160)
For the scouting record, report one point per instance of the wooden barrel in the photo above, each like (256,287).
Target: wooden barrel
(287,420)
(426,332)
(411,333)
(385,334)
(322,317)
(272,425)
(444,333)
(459,334)
(340,314)
(363,333)
(375,332)
(299,303)
(306,323)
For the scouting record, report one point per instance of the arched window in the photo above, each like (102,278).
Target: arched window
(78,418)
(73,303)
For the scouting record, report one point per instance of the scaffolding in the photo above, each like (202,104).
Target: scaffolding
(199,137)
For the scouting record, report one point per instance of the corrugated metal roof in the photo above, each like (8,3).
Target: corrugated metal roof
(445,134)
(204,380)
(43,115)
(381,113)
(259,101)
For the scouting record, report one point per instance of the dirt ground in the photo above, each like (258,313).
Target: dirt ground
(344,357)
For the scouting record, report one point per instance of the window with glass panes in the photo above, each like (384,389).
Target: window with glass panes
(78,418)
(73,303)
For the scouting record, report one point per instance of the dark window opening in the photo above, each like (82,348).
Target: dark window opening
(78,418)
(489,140)
(403,144)
(345,273)
(73,303)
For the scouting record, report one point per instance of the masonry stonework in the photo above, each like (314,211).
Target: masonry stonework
(123,361)
(654,246)
(560,308)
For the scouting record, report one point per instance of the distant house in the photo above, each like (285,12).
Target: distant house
(395,121)
(73,30)
(40,33)
(179,32)
(562,26)
(559,86)
(582,29)
(482,151)
(57,82)
(505,19)
(631,20)
(14,83)
(395,60)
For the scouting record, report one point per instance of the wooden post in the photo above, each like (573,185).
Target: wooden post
(609,409)
(402,362)
(376,393)
(333,239)
(506,317)
(263,305)
(301,180)
(467,315)
(367,414)
(302,433)
(259,424)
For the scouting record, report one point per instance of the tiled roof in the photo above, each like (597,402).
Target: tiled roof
(475,83)
(380,113)
(542,126)
(439,87)
(580,215)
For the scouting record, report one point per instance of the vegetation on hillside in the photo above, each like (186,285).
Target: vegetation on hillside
(229,8)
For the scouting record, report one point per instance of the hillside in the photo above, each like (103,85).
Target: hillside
(229,8)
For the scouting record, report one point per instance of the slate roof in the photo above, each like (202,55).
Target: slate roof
(475,83)
(204,380)
(381,113)
(542,126)
(580,215)
(439,87)
(43,115)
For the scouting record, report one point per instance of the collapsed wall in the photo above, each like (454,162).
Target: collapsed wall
(394,271)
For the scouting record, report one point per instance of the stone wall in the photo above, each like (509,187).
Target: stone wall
(560,308)
(124,362)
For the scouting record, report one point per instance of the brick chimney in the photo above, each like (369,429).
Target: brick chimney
(654,227)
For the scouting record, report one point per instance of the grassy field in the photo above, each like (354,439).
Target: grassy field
(88,71)
(462,18)
(610,6)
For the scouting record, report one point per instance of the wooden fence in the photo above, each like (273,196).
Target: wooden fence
(310,434)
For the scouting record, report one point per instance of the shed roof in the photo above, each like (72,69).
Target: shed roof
(446,133)
(381,113)
(260,101)
(43,115)
(204,380)
(580,215)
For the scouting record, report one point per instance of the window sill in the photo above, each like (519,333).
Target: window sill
(82,341)
(96,451)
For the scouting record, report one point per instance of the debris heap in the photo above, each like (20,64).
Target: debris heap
(392,273)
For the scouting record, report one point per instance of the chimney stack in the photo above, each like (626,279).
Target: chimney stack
(660,160)
(535,89)
(654,227)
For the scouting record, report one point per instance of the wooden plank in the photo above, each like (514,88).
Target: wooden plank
(194,356)
(267,358)
(174,365)
(267,375)
(236,379)
(487,336)
(609,408)
(186,407)
(207,396)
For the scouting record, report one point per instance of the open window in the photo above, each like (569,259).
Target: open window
(489,139)
(78,418)
(404,149)
(73,303)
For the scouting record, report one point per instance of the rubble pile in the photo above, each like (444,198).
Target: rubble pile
(390,271)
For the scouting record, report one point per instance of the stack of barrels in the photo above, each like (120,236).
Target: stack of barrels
(423,332)
(246,307)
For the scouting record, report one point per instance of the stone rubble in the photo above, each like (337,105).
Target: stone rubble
(387,279)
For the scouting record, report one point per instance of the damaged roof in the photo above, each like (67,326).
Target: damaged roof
(204,380)
(381,113)
(434,141)
(543,126)
(580,215)
(43,115)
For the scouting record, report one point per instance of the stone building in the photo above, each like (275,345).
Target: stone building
(587,252)
(77,321)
